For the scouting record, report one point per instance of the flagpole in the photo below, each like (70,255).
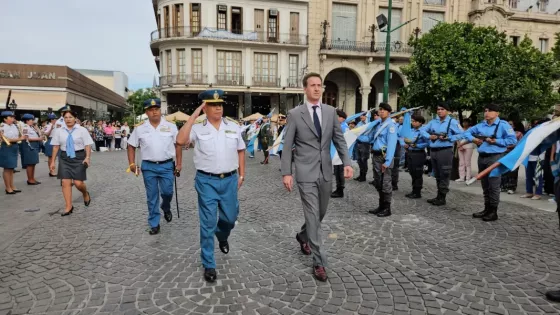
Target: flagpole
(484,173)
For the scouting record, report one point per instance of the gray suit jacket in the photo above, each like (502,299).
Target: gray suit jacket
(312,157)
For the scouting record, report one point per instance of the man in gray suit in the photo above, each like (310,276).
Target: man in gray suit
(311,128)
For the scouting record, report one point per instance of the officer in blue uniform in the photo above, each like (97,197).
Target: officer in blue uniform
(397,158)
(383,139)
(219,158)
(157,140)
(339,169)
(362,148)
(441,133)
(416,156)
(9,153)
(30,147)
(492,136)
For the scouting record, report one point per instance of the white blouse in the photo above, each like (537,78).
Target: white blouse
(80,135)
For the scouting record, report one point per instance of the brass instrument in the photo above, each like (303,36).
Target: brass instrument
(20,131)
(8,143)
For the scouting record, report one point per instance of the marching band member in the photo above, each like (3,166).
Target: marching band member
(74,142)
(30,147)
(9,150)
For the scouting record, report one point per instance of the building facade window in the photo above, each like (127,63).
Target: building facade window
(293,80)
(273,25)
(237,20)
(181,69)
(229,67)
(514,40)
(196,65)
(195,18)
(344,23)
(168,62)
(430,20)
(166,20)
(178,19)
(395,21)
(266,68)
(513,4)
(543,45)
(222,17)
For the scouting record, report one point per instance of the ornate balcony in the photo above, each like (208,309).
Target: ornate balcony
(184,79)
(229,80)
(266,81)
(364,48)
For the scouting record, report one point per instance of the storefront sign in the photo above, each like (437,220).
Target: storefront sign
(10,74)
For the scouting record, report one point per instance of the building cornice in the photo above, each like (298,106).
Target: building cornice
(519,16)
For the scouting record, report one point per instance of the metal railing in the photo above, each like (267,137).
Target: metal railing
(229,35)
(295,82)
(187,79)
(229,79)
(434,2)
(378,47)
(266,80)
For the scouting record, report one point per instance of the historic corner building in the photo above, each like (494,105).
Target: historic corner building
(39,88)
(346,47)
(256,51)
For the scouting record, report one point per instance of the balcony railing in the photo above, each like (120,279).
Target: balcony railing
(186,79)
(295,82)
(229,79)
(434,2)
(229,35)
(266,80)
(366,47)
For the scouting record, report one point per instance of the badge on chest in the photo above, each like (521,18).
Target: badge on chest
(165,129)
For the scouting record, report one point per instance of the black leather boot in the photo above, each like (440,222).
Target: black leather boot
(553,296)
(492,214)
(440,201)
(386,210)
(435,198)
(482,213)
(415,194)
(380,207)
(338,193)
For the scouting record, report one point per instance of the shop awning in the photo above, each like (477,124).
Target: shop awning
(34,100)
(3,98)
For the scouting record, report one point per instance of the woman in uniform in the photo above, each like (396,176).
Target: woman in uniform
(74,142)
(29,148)
(49,132)
(9,153)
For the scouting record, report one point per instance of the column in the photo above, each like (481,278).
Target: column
(365,90)
(283,106)
(248,105)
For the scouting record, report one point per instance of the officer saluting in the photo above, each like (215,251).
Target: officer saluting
(492,136)
(441,133)
(157,141)
(219,158)
(384,142)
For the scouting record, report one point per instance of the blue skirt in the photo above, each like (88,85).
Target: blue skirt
(8,156)
(48,147)
(29,156)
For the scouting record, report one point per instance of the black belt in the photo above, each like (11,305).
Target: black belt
(439,149)
(75,151)
(482,154)
(377,153)
(223,175)
(159,162)
(416,151)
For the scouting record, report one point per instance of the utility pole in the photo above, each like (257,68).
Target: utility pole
(387,53)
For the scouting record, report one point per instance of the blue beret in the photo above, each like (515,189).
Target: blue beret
(7,113)
(152,102)
(51,116)
(65,108)
(211,96)
(27,117)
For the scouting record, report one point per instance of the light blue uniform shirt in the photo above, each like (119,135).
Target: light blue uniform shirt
(436,126)
(386,141)
(399,134)
(505,136)
(361,123)
(420,143)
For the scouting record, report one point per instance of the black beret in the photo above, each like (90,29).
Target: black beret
(444,105)
(341,113)
(386,107)
(492,107)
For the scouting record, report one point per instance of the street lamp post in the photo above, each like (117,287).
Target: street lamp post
(13,106)
(417,31)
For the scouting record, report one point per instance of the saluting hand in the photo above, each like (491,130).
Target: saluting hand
(199,109)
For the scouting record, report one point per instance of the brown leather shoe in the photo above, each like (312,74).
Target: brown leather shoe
(305,249)
(320,273)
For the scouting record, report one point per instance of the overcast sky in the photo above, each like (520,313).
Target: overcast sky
(83,34)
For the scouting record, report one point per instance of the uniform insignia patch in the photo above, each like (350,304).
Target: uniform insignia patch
(392,130)
(25,131)
(231,131)
(510,131)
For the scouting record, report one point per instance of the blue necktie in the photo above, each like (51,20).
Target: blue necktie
(316,121)
(70,150)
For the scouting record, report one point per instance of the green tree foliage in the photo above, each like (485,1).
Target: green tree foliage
(136,101)
(468,67)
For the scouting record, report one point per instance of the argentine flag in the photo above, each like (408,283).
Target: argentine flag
(350,136)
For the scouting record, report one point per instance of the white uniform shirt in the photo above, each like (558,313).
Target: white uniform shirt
(215,151)
(79,134)
(318,110)
(126,129)
(57,125)
(30,132)
(156,144)
(47,128)
(10,131)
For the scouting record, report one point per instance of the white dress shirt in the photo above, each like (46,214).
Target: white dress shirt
(156,144)
(79,134)
(318,110)
(215,151)
(30,132)
(10,131)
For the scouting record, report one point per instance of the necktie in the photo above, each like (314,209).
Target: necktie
(70,151)
(316,121)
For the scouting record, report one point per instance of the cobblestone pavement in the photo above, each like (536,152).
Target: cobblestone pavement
(421,260)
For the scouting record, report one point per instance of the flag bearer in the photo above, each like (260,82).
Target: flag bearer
(416,156)
(339,168)
(492,136)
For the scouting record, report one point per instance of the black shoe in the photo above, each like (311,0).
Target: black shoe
(481,214)
(413,195)
(168,216)
(154,230)
(439,202)
(380,208)
(224,246)
(17,190)
(385,213)
(210,274)
(67,213)
(395,188)
(86,203)
(554,296)
(491,215)
(372,182)
(433,199)
(51,175)
(10,192)
(339,193)
(32,184)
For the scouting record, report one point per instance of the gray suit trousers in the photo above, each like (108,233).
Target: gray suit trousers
(315,199)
